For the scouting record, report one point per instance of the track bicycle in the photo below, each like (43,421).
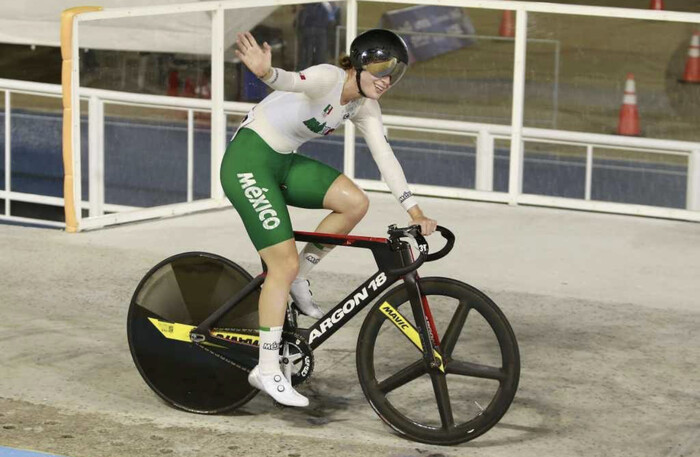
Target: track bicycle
(436,358)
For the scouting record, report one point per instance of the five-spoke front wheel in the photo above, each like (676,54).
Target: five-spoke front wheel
(481,364)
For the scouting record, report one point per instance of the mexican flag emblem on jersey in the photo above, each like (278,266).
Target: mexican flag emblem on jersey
(327,110)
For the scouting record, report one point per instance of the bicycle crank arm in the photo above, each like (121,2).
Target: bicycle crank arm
(411,333)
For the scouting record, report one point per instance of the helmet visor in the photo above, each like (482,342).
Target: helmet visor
(381,68)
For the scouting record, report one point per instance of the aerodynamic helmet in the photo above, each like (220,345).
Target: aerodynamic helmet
(381,53)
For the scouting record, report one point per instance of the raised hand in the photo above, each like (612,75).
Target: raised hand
(257,59)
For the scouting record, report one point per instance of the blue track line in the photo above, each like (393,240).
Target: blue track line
(9,452)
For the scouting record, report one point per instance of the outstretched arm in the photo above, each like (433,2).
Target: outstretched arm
(314,82)
(368,121)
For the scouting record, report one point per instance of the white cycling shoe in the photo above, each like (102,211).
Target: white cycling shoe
(301,295)
(277,386)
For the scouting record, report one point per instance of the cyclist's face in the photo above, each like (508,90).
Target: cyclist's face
(374,87)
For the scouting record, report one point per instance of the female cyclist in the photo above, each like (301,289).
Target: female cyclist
(261,174)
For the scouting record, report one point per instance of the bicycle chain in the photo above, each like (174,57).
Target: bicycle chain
(227,360)
(290,337)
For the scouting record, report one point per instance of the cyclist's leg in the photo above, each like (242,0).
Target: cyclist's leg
(252,185)
(251,173)
(313,184)
(250,176)
(329,189)
(349,204)
(282,267)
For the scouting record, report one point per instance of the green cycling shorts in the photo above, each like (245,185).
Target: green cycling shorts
(260,183)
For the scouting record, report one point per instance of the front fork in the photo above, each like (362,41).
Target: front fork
(427,332)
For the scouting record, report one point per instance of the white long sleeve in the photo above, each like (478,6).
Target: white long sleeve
(314,82)
(306,106)
(369,121)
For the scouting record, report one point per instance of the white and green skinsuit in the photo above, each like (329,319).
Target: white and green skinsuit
(261,174)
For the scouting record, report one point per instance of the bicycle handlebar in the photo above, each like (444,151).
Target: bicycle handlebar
(447,235)
(423,249)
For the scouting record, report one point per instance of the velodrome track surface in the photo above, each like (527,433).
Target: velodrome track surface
(605,308)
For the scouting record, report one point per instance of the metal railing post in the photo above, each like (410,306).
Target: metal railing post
(349,138)
(589,171)
(96,157)
(8,151)
(218,122)
(190,155)
(515,181)
(349,145)
(693,186)
(484,161)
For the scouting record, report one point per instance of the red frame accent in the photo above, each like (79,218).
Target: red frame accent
(429,316)
(426,310)
(350,239)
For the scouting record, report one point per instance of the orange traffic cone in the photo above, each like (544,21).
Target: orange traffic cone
(629,114)
(507,28)
(656,5)
(692,63)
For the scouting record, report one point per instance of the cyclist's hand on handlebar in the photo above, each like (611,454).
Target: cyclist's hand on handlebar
(427,225)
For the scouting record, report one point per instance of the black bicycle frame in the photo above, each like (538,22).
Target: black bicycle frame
(388,254)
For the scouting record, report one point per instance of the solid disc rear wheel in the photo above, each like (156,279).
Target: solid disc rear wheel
(185,289)
(479,350)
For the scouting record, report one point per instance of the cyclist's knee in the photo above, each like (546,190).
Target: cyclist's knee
(358,204)
(346,198)
(284,268)
(282,261)
(363,204)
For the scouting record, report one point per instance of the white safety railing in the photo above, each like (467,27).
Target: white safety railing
(485,134)
(95,205)
(10,87)
(121,214)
